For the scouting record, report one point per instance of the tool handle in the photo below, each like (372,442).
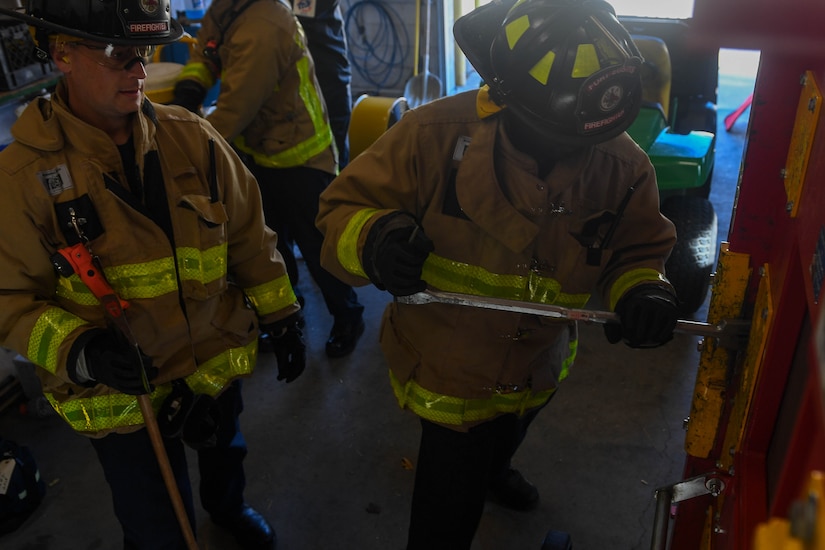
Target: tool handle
(78,259)
(81,261)
(111,304)
(697,328)
(166,470)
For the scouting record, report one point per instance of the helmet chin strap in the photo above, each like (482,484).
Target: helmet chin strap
(41,39)
(530,136)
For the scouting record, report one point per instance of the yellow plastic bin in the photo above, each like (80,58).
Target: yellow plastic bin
(161,76)
(160,81)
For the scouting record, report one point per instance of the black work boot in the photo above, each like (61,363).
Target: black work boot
(343,337)
(250,529)
(511,490)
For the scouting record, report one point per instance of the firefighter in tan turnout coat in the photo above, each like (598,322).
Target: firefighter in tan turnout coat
(174,219)
(271,108)
(527,189)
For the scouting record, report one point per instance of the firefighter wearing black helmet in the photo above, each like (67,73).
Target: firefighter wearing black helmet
(152,198)
(528,189)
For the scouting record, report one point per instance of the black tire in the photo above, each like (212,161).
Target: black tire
(691,262)
(557,540)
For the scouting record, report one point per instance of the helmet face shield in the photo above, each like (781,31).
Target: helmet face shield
(117,22)
(566,68)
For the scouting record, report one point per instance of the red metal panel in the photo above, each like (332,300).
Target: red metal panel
(785,428)
(806,452)
(764,229)
(791,26)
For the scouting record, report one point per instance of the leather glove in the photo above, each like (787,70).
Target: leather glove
(109,360)
(189,94)
(394,254)
(648,315)
(289,346)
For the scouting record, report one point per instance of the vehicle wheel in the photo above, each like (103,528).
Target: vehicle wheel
(691,262)
(557,540)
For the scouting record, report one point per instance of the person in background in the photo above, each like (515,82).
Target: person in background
(171,218)
(323,25)
(527,189)
(271,109)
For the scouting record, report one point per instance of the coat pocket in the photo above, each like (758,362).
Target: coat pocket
(202,246)
(399,352)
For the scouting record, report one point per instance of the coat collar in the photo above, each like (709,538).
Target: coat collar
(480,196)
(48,125)
(480,192)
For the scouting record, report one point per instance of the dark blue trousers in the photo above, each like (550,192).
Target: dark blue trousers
(141,501)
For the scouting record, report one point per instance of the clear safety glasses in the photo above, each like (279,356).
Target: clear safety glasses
(114,57)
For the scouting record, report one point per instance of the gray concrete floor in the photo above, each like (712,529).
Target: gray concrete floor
(327,452)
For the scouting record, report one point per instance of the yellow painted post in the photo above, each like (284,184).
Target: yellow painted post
(728,295)
(460,60)
(799,150)
(763,315)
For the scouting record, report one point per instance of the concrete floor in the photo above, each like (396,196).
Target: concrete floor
(327,452)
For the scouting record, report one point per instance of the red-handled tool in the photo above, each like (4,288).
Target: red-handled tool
(79,259)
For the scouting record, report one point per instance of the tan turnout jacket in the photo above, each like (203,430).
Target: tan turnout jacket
(501,231)
(270,104)
(187,296)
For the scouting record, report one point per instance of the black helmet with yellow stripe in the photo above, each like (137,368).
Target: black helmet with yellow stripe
(567,68)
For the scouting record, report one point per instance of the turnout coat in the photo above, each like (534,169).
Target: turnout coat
(197,284)
(270,105)
(498,230)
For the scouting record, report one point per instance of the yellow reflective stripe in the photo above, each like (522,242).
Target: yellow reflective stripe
(587,61)
(272,296)
(105,412)
(347,248)
(453,276)
(541,70)
(75,290)
(515,29)
(50,330)
(573,346)
(214,375)
(314,145)
(118,410)
(204,266)
(151,279)
(144,280)
(631,279)
(456,411)
(199,72)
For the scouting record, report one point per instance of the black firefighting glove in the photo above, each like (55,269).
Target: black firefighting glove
(394,254)
(289,346)
(111,361)
(189,94)
(648,315)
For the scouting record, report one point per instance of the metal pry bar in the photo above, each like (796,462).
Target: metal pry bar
(731,334)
